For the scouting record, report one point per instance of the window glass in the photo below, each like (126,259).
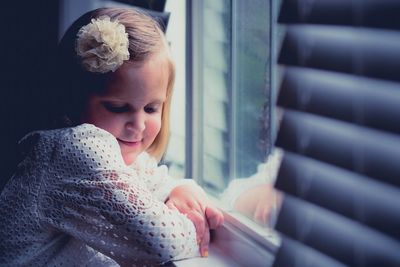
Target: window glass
(235,78)
(229,96)
(233,94)
(216,79)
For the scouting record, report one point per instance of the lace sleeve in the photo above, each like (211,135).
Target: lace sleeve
(91,195)
(156,177)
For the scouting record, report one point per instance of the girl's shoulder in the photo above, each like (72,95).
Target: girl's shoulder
(74,134)
(86,135)
(82,144)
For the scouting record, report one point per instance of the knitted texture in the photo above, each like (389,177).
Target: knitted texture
(73,202)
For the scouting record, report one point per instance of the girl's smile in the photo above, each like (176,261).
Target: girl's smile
(129,143)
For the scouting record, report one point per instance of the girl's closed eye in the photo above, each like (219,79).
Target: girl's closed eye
(152,108)
(116,108)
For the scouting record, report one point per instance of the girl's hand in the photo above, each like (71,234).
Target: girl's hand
(192,201)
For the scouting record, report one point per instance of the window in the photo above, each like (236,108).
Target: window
(231,74)
(228,98)
(229,95)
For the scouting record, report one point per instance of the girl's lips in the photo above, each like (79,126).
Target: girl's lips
(129,143)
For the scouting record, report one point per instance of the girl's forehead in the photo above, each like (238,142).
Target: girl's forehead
(158,62)
(149,79)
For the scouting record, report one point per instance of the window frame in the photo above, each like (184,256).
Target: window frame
(236,226)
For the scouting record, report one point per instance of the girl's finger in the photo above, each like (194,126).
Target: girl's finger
(199,223)
(205,240)
(171,205)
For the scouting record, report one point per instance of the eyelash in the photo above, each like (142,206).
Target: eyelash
(116,109)
(125,108)
(150,110)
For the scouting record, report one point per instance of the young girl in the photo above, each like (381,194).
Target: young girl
(89,192)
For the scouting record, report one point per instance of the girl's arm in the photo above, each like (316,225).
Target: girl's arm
(156,176)
(90,194)
(192,201)
(183,195)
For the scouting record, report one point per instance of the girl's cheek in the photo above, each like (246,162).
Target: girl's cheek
(154,125)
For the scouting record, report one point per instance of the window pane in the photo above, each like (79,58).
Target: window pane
(216,99)
(251,84)
(233,66)
(235,77)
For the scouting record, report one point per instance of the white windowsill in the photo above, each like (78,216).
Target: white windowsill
(238,242)
(215,258)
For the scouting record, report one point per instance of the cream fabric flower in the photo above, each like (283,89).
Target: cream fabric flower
(103,45)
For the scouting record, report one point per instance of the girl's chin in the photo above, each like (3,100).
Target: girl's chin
(129,159)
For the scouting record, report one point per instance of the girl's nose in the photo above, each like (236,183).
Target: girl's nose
(136,123)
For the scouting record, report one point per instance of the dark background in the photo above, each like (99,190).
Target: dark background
(29,32)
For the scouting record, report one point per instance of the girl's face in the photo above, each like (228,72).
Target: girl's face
(131,106)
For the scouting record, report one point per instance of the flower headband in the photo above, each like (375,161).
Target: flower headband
(102,45)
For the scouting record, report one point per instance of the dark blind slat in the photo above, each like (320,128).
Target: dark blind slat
(366,13)
(357,197)
(336,236)
(362,52)
(341,130)
(368,102)
(365,151)
(293,253)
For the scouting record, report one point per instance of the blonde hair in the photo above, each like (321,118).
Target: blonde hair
(145,39)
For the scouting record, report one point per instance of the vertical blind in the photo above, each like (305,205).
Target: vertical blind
(340,95)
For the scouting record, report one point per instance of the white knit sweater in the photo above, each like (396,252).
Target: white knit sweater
(74,202)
